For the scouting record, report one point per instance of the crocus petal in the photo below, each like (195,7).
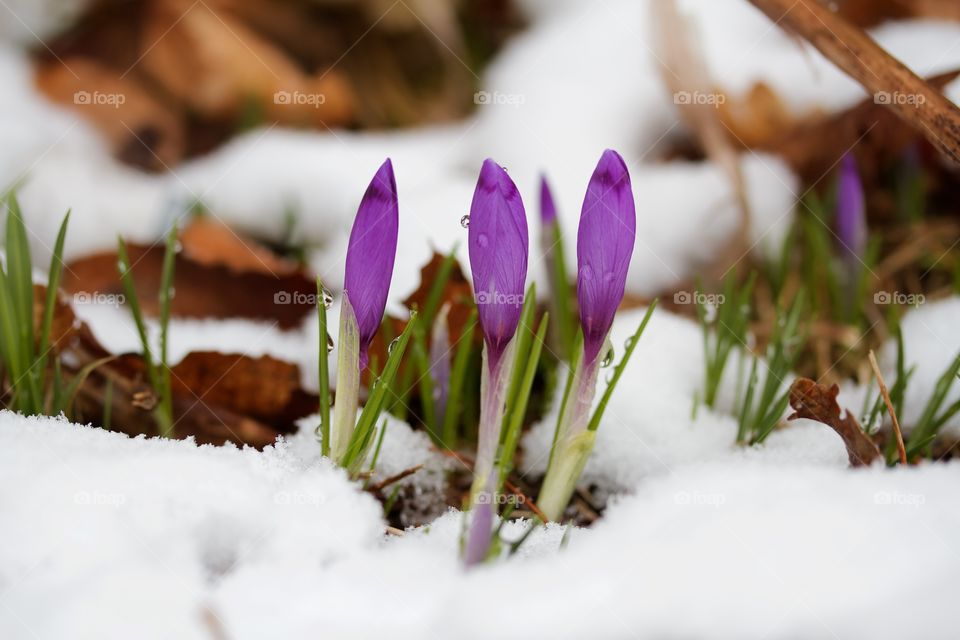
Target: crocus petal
(371,254)
(497,241)
(608,228)
(548,210)
(851,209)
(478,536)
(440,360)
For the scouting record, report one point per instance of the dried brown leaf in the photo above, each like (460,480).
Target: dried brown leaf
(818,402)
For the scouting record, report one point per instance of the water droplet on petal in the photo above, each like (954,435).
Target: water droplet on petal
(608,277)
(465,221)
(482,240)
(586,272)
(393,345)
(607,359)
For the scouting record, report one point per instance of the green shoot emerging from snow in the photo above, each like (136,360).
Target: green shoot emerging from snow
(764,403)
(28,357)
(158,371)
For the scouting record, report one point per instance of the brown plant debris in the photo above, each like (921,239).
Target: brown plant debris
(219,273)
(818,402)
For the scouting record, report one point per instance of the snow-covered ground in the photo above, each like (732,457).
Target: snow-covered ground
(102,536)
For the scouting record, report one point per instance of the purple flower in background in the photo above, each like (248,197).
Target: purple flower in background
(548,210)
(370,255)
(498,256)
(851,210)
(608,228)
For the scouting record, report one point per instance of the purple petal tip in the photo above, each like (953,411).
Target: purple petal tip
(371,253)
(548,210)
(498,247)
(605,243)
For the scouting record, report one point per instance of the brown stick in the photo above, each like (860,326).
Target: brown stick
(886,78)
(512,488)
(383,484)
(893,414)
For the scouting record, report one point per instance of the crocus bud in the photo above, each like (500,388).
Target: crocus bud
(498,256)
(371,254)
(851,210)
(440,361)
(548,210)
(605,239)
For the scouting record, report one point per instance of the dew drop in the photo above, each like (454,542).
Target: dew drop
(327,298)
(465,221)
(607,359)
(482,240)
(629,342)
(393,345)
(329,343)
(587,272)
(608,277)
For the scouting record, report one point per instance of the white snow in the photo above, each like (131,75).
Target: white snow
(108,537)
(104,536)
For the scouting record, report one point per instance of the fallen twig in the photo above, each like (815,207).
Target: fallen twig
(386,482)
(901,449)
(886,78)
(512,488)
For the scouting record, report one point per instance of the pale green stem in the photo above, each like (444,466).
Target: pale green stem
(573,442)
(348,382)
(493,387)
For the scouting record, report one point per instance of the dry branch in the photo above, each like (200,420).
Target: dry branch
(856,54)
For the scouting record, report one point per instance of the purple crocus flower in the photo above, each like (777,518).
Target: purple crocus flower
(608,228)
(851,210)
(498,256)
(548,210)
(440,360)
(371,254)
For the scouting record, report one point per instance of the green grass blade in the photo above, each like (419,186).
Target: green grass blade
(323,367)
(53,286)
(457,376)
(562,308)
(519,410)
(618,370)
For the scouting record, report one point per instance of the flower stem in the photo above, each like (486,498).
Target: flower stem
(493,387)
(573,442)
(348,382)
